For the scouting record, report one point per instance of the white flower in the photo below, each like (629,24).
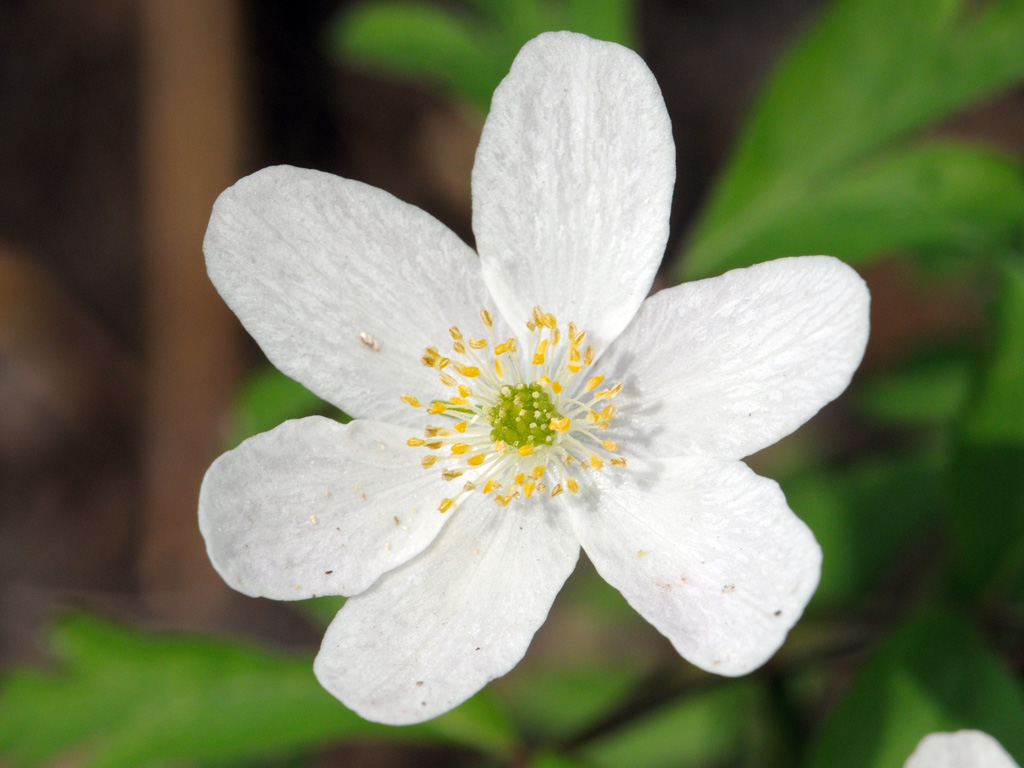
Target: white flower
(453,531)
(963,749)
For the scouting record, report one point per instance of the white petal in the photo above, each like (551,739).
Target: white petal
(726,366)
(315,507)
(342,285)
(963,749)
(572,184)
(429,635)
(706,551)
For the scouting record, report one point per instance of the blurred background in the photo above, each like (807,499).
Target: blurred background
(890,135)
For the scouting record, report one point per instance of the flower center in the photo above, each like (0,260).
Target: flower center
(510,425)
(522,415)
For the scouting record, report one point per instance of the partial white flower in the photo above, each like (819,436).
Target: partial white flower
(512,406)
(962,749)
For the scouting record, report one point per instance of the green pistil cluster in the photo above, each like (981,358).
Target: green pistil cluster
(522,416)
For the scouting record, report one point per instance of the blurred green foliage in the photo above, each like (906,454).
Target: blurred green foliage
(122,698)
(843,153)
(921,601)
(466,50)
(933,673)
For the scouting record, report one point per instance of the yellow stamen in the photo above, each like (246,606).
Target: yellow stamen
(476,461)
(445,505)
(459,426)
(594,383)
(415,442)
(459,448)
(438,408)
(477,343)
(428,461)
(524,450)
(618,461)
(486,317)
(573,485)
(609,445)
(538,357)
(467,370)
(410,400)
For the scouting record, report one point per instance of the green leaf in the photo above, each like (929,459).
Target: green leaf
(703,728)
(126,698)
(986,490)
(269,398)
(997,413)
(933,674)
(830,145)
(555,703)
(930,389)
(425,43)
(610,20)
(986,501)
(952,198)
(864,516)
(467,54)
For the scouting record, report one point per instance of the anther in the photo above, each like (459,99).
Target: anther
(445,505)
(469,371)
(410,400)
